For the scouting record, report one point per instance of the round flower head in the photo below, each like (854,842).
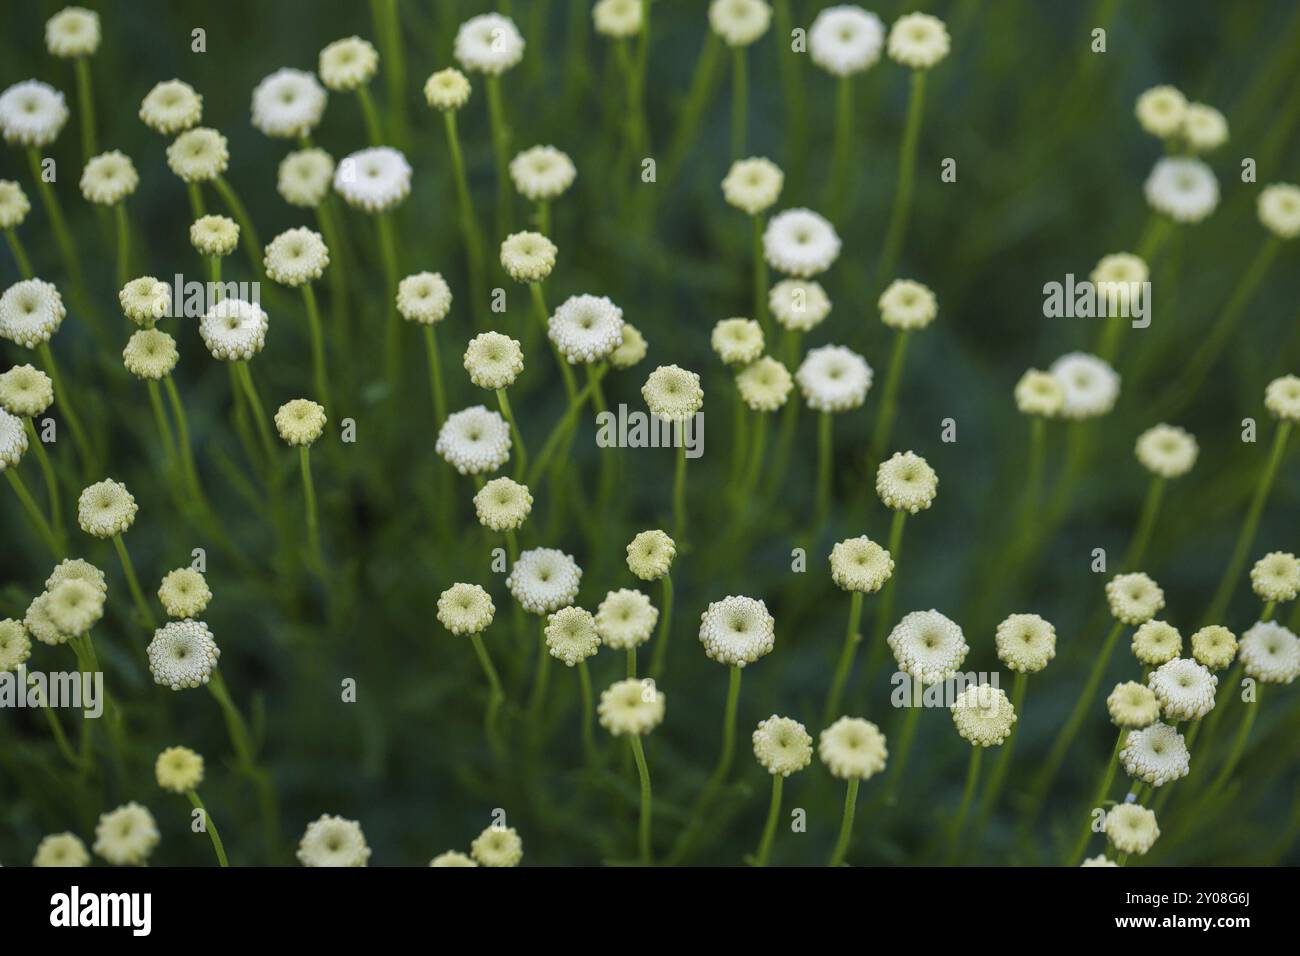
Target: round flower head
(586,328)
(373,179)
(109,178)
(474,440)
(424,297)
(618,18)
(1167,451)
(75,569)
(625,619)
(126,836)
(73,31)
(853,749)
(234,330)
(489,43)
(859,564)
(1204,128)
(1131,705)
(983,715)
(834,378)
(13,440)
(1276,576)
(452,858)
(1099,860)
(146,300)
(31,311)
(544,580)
(1131,828)
(15,646)
(1161,111)
(182,654)
(333,841)
(782,745)
(150,354)
(32,113)
(737,341)
(179,770)
(1185,689)
(1278,208)
(631,707)
(296,256)
(304,177)
(906,482)
(650,555)
(753,185)
(1040,393)
(1156,755)
(63,850)
(497,846)
(1183,189)
(672,393)
(845,39)
(503,504)
(907,305)
(1119,269)
(214,235)
(1282,397)
(1091,386)
(493,360)
(300,422)
(1270,653)
(631,350)
(347,64)
(1134,598)
(1156,642)
(171,107)
(800,243)
(447,89)
(38,623)
(1025,643)
(184,593)
(542,173)
(528,256)
(465,609)
(737,631)
(571,635)
(798,304)
(14,205)
(25,391)
(1214,646)
(105,509)
(198,155)
(739,22)
(918,40)
(764,385)
(288,104)
(928,646)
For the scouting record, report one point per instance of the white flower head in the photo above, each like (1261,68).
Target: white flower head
(1270,653)
(1214,646)
(72,32)
(424,297)
(626,618)
(333,841)
(753,185)
(106,508)
(739,22)
(1091,385)
(497,846)
(1281,397)
(737,630)
(618,18)
(374,179)
(31,311)
(489,43)
(632,349)
(145,300)
(1183,189)
(1134,598)
(650,554)
(304,177)
(150,354)
(13,440)
(1185,689)
(348,63)
(845,39)
(213,235)
(528,256)
(493,360)
(1278,207)
(61,850)
(1132,828)
(447,89)
(296,256)
(859,564)
(544,580)
(171,107)
(853,749)
(834,378)
(631,707)
(798,304)
(1161,110)
(198,155)
(25,391)
(32,113)
(474,440)
(15,646)
(764,385)
(182,654)
(1275,576)
(1204,128)
(126,836)
(673,393)
(586,328)
(503,504)
(918,40)
(571,635)
(1133,706)
(289,103)
(928,646)
(983,715)
(542,173)
(906,482)
(465,609)
(782,745)
(1156,755)
(1040,393)
(801,243)
(14,205)
(907,305)
(1156,642)
(1025,643)
(300,422)
(234,330)
(1167,451)
(109,178)
(184,593)
(737,341)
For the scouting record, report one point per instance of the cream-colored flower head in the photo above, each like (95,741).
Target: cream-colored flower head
(489,43)
(465,609)
(631,350)
(1185,689)
(288,104)
(61,850)
(1156,642)
(503,504)
(348,63)
(234,330)
(1167,451)
(106,509)
(798,304)
(1214,646)
(845,39)
(737,630)
(31,311)
(1131,828)
(907,305)
(1282,397)
(801,243)
(737,341)
(497,846)
(14,205)
(184,592)
(1131,705)
(374,179)
(1276,576)
(544,580)
(906,482)
(15,646)
(72,32)
(447,89)
(753,185)
(296,256)
(13,440)
(542,173)
(1040,393)
(214,235)
(631,707)
(650,555)
(1156,755)
(75,569)
(1183,189)
(1134,598)
(1270,653)
(1161,111)
(983,715)
(834,379)
(1099,860)
(126,836)
(625,619)
(179,770)
(452,858)
(782,745)
(109,178)
(586,328)
(1278,207)
(571,635)
(739,22)
(304,177)
(928,646)
(764,385)
(1025,643)
(300,422)
(474,440)
(1091,386)
(1204,128)
(1119,270)
(853,749)
(145,300)
(918,40)
(333,841)
(150,354)
(182,654)
(859,564)
(198,155)
(618,18)
(40,625)
(528,256)
(493,360)
(25,391)
(424,297)
(32,113)
(673,393)
(171,107)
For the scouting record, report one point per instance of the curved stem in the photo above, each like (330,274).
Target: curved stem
(769,827)
(999,775)
(496,695)
(972,780)
(885,609)
(63,402)
(262,423)
(643,772)
(20,254)
(846,823)
(247,234)
(469,227)
(48,476)
(1146,524)
(371,115)
(34,513)
(665,628)
(133,583)
(521,460)
(845,665)
(902,209)
(210,827)
(1103,789)
(160,418)
(319,373)
(728,731)
(904,748)
(889,402)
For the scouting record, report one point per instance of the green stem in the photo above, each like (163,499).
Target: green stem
(60,738)
(665,628)
(838,182)
(258,412)
(1238,746)
(631,663)
(133,583)
(123,244)
(86,107)
(309,492)
(198,207)
(968,792)
(210,827)
(889,402)
(20,254)
(846,823)
(540,678)
(320,374)
(902,208)
(62,237)
(588,715)
(247,234)
(739,102)
(63,402)
(728,735)
(371,115)
(496,695)
(1146,524)
(643,772)
(468,220)
(435,375)
(697,101)
(845,666)
(543,316)
(679,492)
(905,739)
(160,418)
(825,437)
(388,250)
(769,827)
(1107,778)
(885,609)
(999,775)
(34,513)
(47,474)
(760,278)
(183,440)
(501,154)
(521,461)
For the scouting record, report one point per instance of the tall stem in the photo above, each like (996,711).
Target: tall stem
(643,772)
(679,492)
(469,227)
(588,715)
(62,237)
(697,101)
(501,154)
(845,665)
(388,250)
(34,513)
(210,827)
(769,827)
(760,277)
(889,402)
(48,476)
(262,423)
(160,419)
(86,107)
(247,234)
(825,436)
(320,375)
(521,461)
(1146,524)
(435,375)
(1103,788)
(885,609)
(999,775)
(739,102)
(20,254)
(63,403)
(309,492)
(123,244)
(837,183)
(496,695)
(665,628)
(902,209)
(846,823)
(972,780)
(133,583)
(371,116)
(899,763)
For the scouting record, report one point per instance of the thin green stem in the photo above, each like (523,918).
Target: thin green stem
(521,458)
(899,761)
(86,109)
(123,244)
(247,234)
(1238,747)
(697,101)
(20,254)
(435,375)
(839,180)
(541,677)
(902,209)
(160,419)
(728,733)
(371,115)
(889,402)
(34,513)
(588,715)
(665,629)
(388,251)
(501,153)
(852,637)
(769,827)
(739,102)
(543,316)
(209,827)
(198,208)
(760,277)
(1146,524)
(846,823)
(496,695)
(469,226)
(885,609)
(825,437)
(47,474)
(63,403)
(133,583)
(679,490)
(999,774)
(62,237)
(262,423)
(643,772)
(183,439)
(968,792)
(631,663)
(320,374)
(309,493)
(1103,788)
